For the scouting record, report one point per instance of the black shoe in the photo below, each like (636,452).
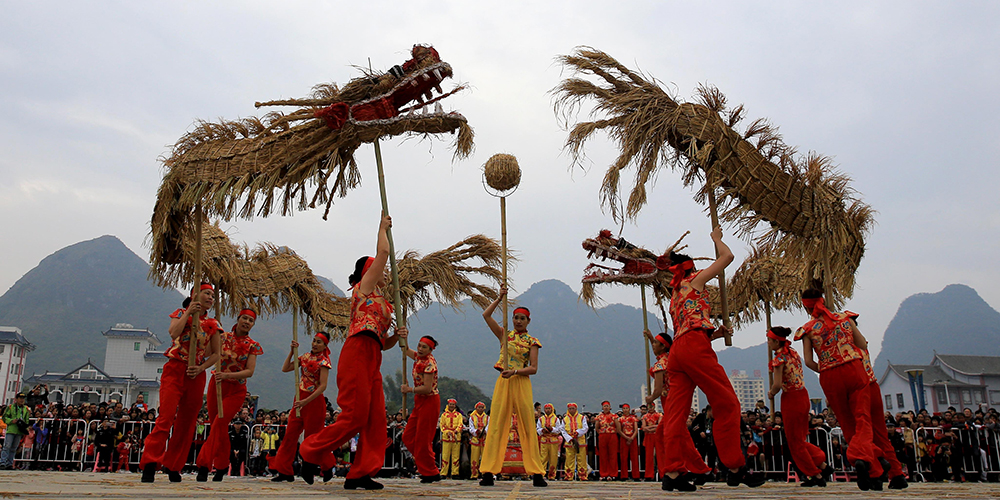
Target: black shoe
(746,477)
(364,483)
(814,481)
(219,474)
(148,473)
(328,475)
(864,481)
(875,484)
(175,477)
(898,483)
(308,472)
(538,481)
(828,472)
(282,477)
(430,479)
(202,475)
(885,470)
(486,479)
(678,484)
(701,479)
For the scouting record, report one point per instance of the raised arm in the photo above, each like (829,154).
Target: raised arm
(779,371)
(725,257)
(488,314)
(370,280)
(289,364)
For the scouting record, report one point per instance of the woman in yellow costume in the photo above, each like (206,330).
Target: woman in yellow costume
(512,395)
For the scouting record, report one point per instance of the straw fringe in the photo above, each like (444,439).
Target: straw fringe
(274,279)
(809,209)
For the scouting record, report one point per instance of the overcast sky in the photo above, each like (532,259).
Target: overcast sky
(904,96)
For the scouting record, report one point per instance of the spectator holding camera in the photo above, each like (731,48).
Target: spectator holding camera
(16,417)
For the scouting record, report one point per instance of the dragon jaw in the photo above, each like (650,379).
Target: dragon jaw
(412,89)
(636,267)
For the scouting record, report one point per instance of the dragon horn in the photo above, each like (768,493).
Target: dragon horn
(672,247)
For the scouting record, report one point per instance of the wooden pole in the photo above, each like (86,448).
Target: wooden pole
(218,363)
(196,321)
(645,326)
(770,355)
(396,303)
(723,296)
(295,355)
(503,244)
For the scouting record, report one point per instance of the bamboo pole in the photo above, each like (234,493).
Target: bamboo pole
(645,327)
(503,244)
(295,355)
(218,363)
(396,303)
(196,321)
(723,296)
(770,355)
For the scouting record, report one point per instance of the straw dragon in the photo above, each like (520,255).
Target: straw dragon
(280,162)
(794,207)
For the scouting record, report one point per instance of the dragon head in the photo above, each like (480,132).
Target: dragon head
(395,95)
(638,264)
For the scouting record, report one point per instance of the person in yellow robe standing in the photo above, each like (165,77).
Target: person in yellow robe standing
(478,421)
(512,395)
(451,425)
(549,428)
(574,431)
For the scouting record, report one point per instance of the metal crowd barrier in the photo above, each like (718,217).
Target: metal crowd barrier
(979,451)
(52,442)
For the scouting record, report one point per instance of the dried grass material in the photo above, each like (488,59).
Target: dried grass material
(810,209)
(502,172)
(279,162)
(274,279)
(765,279)
(269,278)
(446,275)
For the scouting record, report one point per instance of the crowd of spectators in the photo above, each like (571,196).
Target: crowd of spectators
(953,445)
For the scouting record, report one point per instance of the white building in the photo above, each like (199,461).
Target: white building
(748,389)
(132,366)
(949,380)
(14,350)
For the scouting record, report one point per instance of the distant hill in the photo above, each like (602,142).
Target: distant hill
(72,296)
(955,320)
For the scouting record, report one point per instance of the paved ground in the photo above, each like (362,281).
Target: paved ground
(71,485)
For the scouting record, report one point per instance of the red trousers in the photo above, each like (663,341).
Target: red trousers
(362,404)
(651,440)
(214,453)
(846,389)
(693,462)
(310,420)
(795,414)
(180,402)
(628,452)
(607,449)
(418,436)
(880,434)
(692,362)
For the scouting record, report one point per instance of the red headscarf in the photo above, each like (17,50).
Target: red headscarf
(430,342)
(680,271)
(523,310)
(248,312)
(817,308)
(782,341)
(364,270)
(326,341)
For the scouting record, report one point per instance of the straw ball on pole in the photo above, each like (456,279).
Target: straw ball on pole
(502,173)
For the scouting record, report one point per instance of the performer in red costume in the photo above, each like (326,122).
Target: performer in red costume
(606,424)
(837,342)
(693,363)
(181,387)
(891,468)
(239,360)
(786,365)
(627,427)
(695,465)
(650,440)
(418,436)
(359,382)
(315,370)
